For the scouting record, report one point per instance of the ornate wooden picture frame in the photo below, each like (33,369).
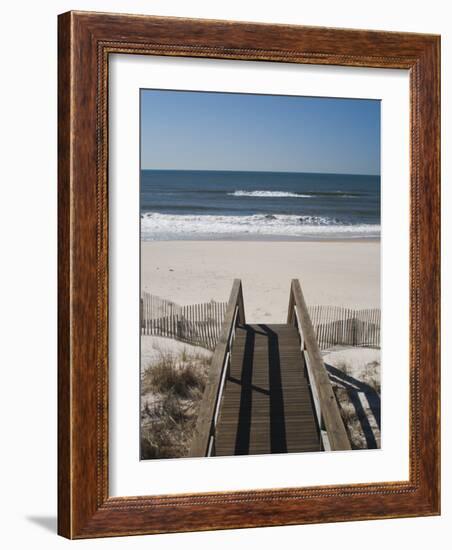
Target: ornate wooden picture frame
(86,41)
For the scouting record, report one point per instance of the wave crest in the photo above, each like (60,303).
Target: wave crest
(268,194)
(156,226)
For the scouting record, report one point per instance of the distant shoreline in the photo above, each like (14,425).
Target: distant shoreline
(269,238)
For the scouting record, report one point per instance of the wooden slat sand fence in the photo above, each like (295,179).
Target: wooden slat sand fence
(339,326)
(196,324)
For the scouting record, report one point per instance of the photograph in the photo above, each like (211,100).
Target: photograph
(248,273)
(260,274)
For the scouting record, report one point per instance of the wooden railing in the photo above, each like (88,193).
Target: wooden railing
(203,443)
(333,433)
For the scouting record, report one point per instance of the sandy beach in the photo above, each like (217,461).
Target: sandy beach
(342,273)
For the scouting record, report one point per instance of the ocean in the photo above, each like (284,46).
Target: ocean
(179,204)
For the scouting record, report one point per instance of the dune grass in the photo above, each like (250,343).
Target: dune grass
(171,392)
(359,417)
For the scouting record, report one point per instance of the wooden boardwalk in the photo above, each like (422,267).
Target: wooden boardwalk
(267,404)
(268,390)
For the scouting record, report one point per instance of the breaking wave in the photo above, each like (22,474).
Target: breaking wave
(283,194)
(157,226)
(273,194)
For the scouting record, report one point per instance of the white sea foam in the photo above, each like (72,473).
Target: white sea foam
(155,226)
(268,194)
(283,194)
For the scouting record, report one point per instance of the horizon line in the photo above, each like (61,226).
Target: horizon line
(258,171)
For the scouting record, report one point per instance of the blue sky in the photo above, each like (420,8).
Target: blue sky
(220,131)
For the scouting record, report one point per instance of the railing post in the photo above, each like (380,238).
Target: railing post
(240,304)
(290,312)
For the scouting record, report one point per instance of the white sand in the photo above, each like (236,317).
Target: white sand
(356,359)
(345,273)
(153,346)
(358,392)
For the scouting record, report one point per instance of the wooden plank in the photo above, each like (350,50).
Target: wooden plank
(208,321)
(202,308)
(267,407)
